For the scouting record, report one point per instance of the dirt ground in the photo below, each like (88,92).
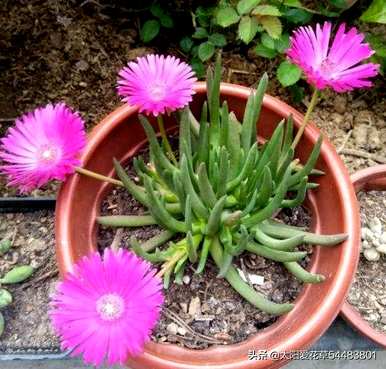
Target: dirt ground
(27,325)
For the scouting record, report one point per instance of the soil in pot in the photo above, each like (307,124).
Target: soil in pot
(205,310)
(27,325)
(368,292)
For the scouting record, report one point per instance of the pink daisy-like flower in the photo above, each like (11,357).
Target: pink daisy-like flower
(157,84)
(107,307)
(332,64)
(43,145)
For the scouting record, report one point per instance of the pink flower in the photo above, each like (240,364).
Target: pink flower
(336,65)
(157,84)
(107,307)
(43,145)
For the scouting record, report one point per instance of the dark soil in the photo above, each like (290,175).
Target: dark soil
(368,292)
(205,310)
(27,325)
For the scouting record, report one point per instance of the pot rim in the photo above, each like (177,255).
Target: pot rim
(372,178)
(317,322)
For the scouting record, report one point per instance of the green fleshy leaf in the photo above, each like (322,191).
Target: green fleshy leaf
(5,245)
(5,298)
(2,324)
(17,274)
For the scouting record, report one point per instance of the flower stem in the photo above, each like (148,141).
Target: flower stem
(310,108)
(98,176)
(165,140)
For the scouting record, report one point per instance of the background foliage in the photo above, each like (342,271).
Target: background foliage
(262,26)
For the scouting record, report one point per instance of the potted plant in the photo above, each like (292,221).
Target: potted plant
(219,196)
(120,136)
(369,179)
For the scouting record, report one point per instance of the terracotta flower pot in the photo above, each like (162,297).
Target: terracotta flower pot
(334,210)
(369,179)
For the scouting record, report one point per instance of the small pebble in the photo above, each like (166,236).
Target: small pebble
(382,239)
(181,331)
(366,244)
(382,248)
(375,225)
(195,306)
(186,279)
(371,254)
(184,307)
(172,328)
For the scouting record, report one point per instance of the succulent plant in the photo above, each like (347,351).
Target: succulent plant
(222,196)
(16,275)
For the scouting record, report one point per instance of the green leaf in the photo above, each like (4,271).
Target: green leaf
(245,6)
(248,27)
(266,10)
(166,21)
(268,41)
(218,39)
(298,16)
(227,16)
(340,4)
(378,44)
(297,93)
(293,3)
(206,51)
(186,44)
(288,73)
(200,33)
(17,274)
(204,15)
(5,245)
(5,298)
(149,30)
(265,52)
(156,10)
(198,67)
(2,323)
(282,43)
(272,25)
(375,13)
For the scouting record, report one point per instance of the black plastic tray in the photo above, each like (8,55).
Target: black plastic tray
(339,337)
